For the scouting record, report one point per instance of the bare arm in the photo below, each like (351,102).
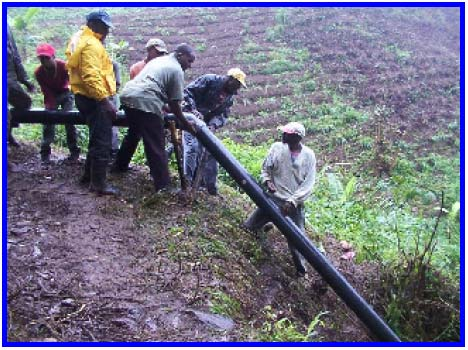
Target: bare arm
(174,105)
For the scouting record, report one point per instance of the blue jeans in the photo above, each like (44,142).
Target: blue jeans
(192,158)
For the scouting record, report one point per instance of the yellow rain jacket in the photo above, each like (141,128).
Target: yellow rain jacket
(89,66)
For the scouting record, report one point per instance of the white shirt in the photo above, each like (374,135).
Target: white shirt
(294,177)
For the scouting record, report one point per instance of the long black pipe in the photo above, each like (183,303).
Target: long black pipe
(41,116)
(303,244)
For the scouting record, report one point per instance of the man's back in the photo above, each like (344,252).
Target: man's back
(161,80)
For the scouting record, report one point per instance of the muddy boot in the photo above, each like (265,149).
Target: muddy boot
(116,169)
(73,157)
(45,158)
(98,179)
(86,177)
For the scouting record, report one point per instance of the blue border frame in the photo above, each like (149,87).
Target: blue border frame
(460,5)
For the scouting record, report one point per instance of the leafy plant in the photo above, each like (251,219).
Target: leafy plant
(23,22)
(284,330)
(118,51)
(223,304)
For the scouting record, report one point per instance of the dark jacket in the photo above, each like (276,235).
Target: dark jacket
(205,95)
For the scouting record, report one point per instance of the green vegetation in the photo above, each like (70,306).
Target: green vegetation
(223,304)
(282,18)
(277,61)
(284,330)
(401,55)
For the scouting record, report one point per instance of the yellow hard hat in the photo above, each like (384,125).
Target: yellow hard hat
(238,74)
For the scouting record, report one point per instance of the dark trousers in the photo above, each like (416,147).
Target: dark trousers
(100,128)
(127,149)
(19,99)
(65,101)
(259,218)
(150,127)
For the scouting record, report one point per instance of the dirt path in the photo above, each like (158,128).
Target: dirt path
(79,269)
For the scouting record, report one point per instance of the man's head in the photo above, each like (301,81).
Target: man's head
(99,22)
(236,79)
(185,55)
(293,132)
(46,54)
(155,48)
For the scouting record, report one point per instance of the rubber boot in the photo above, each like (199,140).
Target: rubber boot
(98,179)
(86,177)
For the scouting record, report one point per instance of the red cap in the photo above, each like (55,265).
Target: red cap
(45,50)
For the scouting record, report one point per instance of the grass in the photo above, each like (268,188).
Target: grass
(285,330)
(223,304)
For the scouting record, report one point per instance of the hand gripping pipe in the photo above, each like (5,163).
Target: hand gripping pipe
(303,244)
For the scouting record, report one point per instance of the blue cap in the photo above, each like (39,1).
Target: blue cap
(101,15)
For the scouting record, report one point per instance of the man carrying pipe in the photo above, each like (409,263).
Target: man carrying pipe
(52,76)
(160,82)
(155,48)
(288,172)
(209,98)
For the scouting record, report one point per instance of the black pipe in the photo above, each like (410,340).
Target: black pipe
(303,244)
(41,116)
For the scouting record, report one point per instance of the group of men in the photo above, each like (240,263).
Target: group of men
(156,88)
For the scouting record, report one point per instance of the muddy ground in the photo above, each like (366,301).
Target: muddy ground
(88,268)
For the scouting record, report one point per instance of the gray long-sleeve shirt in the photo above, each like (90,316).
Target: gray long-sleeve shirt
(294,177)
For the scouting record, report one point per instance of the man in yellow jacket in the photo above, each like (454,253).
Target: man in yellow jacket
(92,81)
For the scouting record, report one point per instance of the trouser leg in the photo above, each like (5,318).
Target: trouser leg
(100,139)
(19,99)
(256,220)
(115,141)
(298,216)
(151,129)
(48,136)
(210,174)
(86,176)
(127,148)
(65,100)
(70,130)
(192,149)
(192,154)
